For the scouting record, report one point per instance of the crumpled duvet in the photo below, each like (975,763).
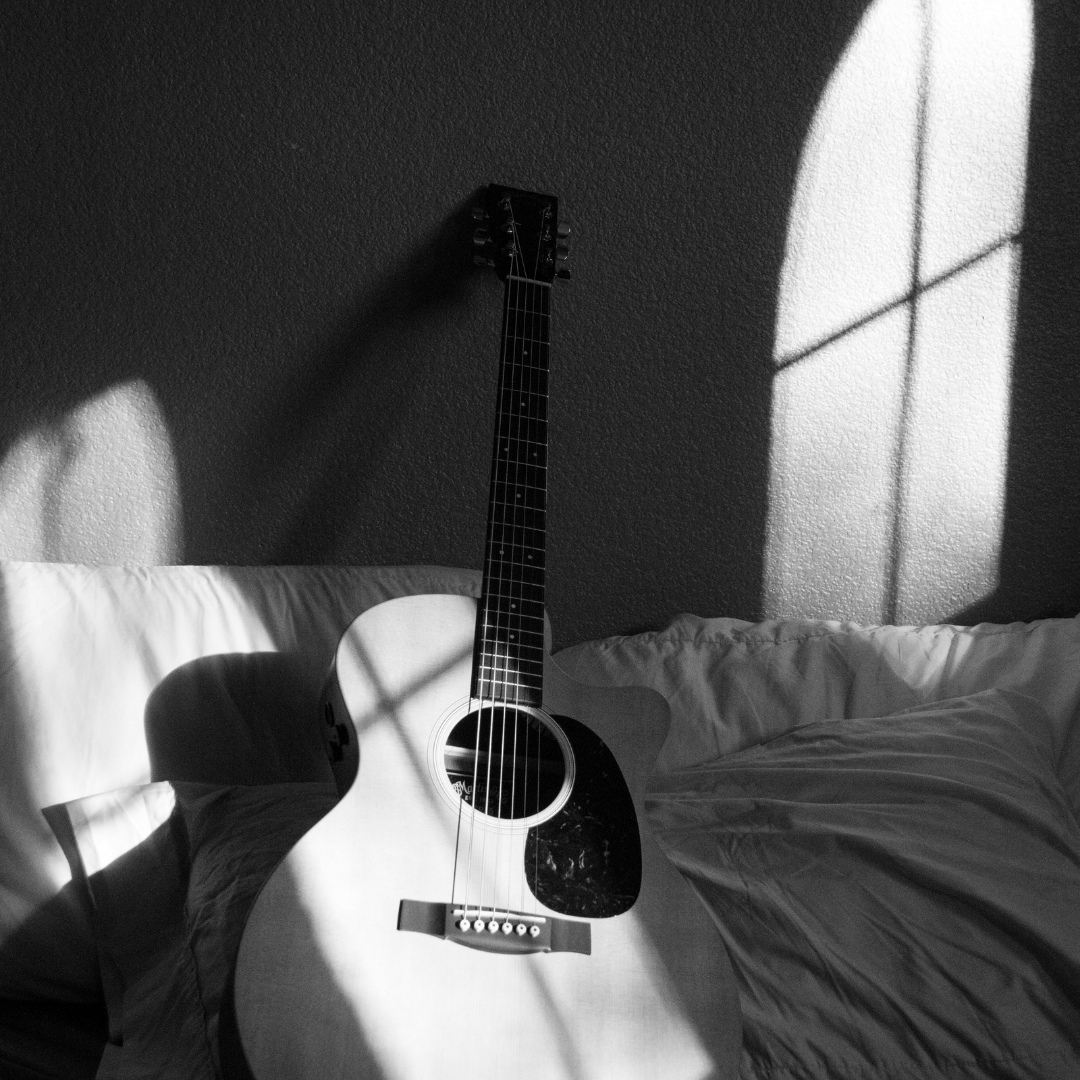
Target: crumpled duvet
(900,896)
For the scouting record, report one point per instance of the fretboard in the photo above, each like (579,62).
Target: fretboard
(508,660)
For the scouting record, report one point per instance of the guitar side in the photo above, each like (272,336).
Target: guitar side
(327,986)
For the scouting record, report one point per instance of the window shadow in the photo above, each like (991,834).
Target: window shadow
(1039,569)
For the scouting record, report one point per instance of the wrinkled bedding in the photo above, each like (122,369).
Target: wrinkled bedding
(756,783)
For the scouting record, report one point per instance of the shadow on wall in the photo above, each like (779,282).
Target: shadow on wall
(341,417)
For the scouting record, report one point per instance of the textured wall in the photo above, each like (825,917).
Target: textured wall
(233,226)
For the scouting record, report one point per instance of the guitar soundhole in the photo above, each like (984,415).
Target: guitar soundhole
(511,767)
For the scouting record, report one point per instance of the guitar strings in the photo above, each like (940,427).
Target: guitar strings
(503,687)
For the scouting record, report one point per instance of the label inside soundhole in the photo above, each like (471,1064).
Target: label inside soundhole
(504,762)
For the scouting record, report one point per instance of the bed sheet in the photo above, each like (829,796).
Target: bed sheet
(733,684)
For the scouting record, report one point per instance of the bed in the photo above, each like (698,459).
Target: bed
(881,821)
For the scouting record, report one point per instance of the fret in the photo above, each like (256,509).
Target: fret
(515,473)
(496,637)
(503,641)
(516,507)
(513,636)
(495,619)
(504,567)
(539,444)
(520,298)
(508,569)
(508,486)
(524,691)
(526,354)
(530,344)
(511,493)
(533,327)
(527,658)
(514,642)
(522,452)
(530,400)
(511,694)
(514,598)
(496,670)
(522,516)
(528,428)
(497,626)
(500,673)
(523,583)
(497,608)
(510,537)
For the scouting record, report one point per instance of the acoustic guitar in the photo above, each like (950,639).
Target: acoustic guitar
(485,901)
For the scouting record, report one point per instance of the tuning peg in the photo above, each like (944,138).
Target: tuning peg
(481,237)
(483,260)
(563,231)
(562,253)
(479,213)
(563,273)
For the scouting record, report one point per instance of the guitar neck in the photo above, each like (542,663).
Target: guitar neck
(508,659)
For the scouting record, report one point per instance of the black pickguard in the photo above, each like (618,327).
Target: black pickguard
(586,861)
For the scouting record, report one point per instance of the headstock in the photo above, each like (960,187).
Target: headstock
(518,232)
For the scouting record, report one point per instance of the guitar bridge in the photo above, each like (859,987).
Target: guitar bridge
(499,931)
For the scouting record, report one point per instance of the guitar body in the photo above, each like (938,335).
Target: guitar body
(328,986)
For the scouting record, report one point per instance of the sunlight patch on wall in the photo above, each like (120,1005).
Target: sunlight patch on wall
(852,219)
(895,319)
(98,486)
(832,556)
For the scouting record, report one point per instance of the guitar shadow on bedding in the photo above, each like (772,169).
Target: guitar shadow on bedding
(249,722)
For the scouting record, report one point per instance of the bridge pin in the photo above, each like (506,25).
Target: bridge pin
(464,924)
(534,930)
(507,927)
(520,928)
(493,926)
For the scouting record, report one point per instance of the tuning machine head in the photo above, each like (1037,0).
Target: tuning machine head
(483,246)
(562,251)
(518,233)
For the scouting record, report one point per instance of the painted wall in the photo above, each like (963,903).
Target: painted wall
(237,326)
